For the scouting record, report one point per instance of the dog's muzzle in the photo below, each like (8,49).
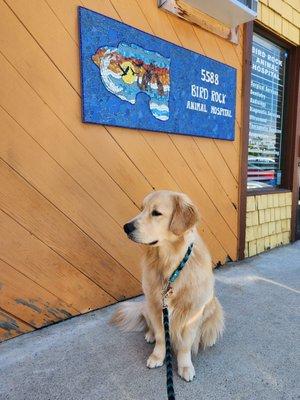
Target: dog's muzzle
(129,229)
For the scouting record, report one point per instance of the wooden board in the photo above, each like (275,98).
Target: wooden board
(39,216)
(38,262)
(11,326)
(38,168)
(21,296)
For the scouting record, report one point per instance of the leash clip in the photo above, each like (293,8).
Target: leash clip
(166,293)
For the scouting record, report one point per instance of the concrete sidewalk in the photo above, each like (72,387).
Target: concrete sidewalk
(257,358)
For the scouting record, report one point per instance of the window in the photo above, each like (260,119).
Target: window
(266,128)
(250,3)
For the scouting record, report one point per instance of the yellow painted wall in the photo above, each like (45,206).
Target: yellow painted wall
(268,222)
(281,16)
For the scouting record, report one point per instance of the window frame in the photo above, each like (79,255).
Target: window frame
(292,124)
(252,4)
(285,185)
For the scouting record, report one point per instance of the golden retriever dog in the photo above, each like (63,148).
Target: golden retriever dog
(167,226)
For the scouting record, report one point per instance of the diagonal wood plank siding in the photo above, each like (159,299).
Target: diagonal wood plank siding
(67,188)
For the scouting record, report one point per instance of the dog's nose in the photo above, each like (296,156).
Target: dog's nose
(128,228)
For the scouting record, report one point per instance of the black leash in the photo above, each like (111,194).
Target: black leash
(167,291)
(169,367)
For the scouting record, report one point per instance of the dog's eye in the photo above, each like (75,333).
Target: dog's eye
(155,213)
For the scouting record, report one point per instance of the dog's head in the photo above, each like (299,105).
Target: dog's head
(165,216)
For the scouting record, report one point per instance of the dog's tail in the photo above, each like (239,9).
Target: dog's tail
(212,323)
(130,316)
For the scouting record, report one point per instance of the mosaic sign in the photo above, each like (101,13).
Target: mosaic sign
(133,79)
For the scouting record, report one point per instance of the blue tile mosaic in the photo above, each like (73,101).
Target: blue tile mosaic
(133,79)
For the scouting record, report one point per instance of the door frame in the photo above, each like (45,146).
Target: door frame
(292,118)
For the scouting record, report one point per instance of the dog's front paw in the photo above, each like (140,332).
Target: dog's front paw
(187,373)
(149,337)
(154,361)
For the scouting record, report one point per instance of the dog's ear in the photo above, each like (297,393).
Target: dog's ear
(185,216)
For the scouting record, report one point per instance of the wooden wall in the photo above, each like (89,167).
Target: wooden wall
(66,188)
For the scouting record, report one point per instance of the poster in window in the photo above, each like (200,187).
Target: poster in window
(266,113)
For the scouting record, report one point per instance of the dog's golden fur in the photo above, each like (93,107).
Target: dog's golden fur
(196,316)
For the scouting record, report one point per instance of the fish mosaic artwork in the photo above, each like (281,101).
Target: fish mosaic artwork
(132,79)
(129,69)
